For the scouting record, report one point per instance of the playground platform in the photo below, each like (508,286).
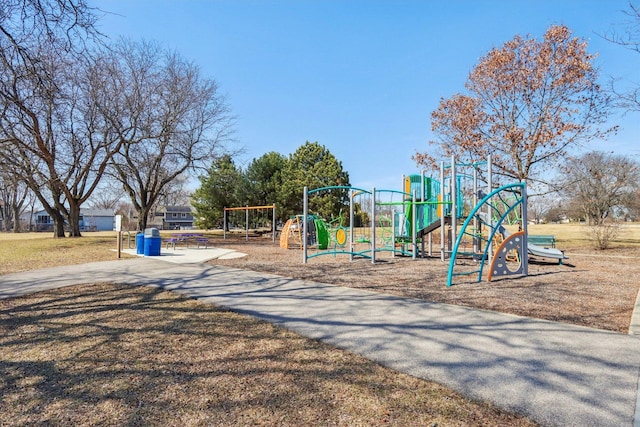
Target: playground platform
(557,374)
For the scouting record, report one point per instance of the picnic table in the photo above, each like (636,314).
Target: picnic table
(195,239)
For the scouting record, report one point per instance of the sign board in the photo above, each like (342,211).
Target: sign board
(118,222)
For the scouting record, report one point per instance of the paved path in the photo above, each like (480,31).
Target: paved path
(557,374)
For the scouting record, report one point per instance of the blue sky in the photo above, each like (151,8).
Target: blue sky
(360,77)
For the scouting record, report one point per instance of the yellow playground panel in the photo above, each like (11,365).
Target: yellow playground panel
(292,232)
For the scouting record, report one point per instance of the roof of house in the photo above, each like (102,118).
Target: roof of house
(176,209)
(96,212)
(84,212)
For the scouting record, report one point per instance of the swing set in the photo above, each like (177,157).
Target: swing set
(258,221)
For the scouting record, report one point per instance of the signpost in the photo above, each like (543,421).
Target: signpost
(119,231)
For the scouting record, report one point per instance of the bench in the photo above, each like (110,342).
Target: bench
(202,241)
(171,242)
(542,240)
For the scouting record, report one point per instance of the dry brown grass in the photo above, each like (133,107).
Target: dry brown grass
(109,355)
(27,251)
(116,355)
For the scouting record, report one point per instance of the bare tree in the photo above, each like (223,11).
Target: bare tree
(528,102)
(68,24)
(43,47)
(537,208)
(25,164)
(169,118)
(108,195)
(175,193)
(627,36)
(556,213)
(14,197)
(57,139)
(601,183)
(634,207)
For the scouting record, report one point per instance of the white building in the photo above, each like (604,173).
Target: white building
(90,220)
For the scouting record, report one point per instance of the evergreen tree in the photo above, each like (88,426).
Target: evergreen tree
(264,178)
(312,165)
(224,186)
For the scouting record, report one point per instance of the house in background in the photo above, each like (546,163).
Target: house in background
(97,220)
(90,220)
(174,218)
(43,221)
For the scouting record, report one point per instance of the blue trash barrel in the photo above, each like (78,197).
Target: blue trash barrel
(140,243)
(152,242)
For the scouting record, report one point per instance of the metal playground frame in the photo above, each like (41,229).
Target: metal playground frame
(247,209)
(427,205)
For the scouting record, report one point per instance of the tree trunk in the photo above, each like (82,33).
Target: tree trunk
(143,214)
(5,217)
(58,223)
(74,219)
(16,219)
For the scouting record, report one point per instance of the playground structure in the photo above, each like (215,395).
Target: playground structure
(334,236)
(478,231)
(292,232)
(261,220)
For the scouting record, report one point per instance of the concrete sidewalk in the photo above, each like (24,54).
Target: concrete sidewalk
(182,255)
(557,374)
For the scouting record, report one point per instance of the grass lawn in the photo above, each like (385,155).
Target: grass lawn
(577,235)
(27,251)
(102,354)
